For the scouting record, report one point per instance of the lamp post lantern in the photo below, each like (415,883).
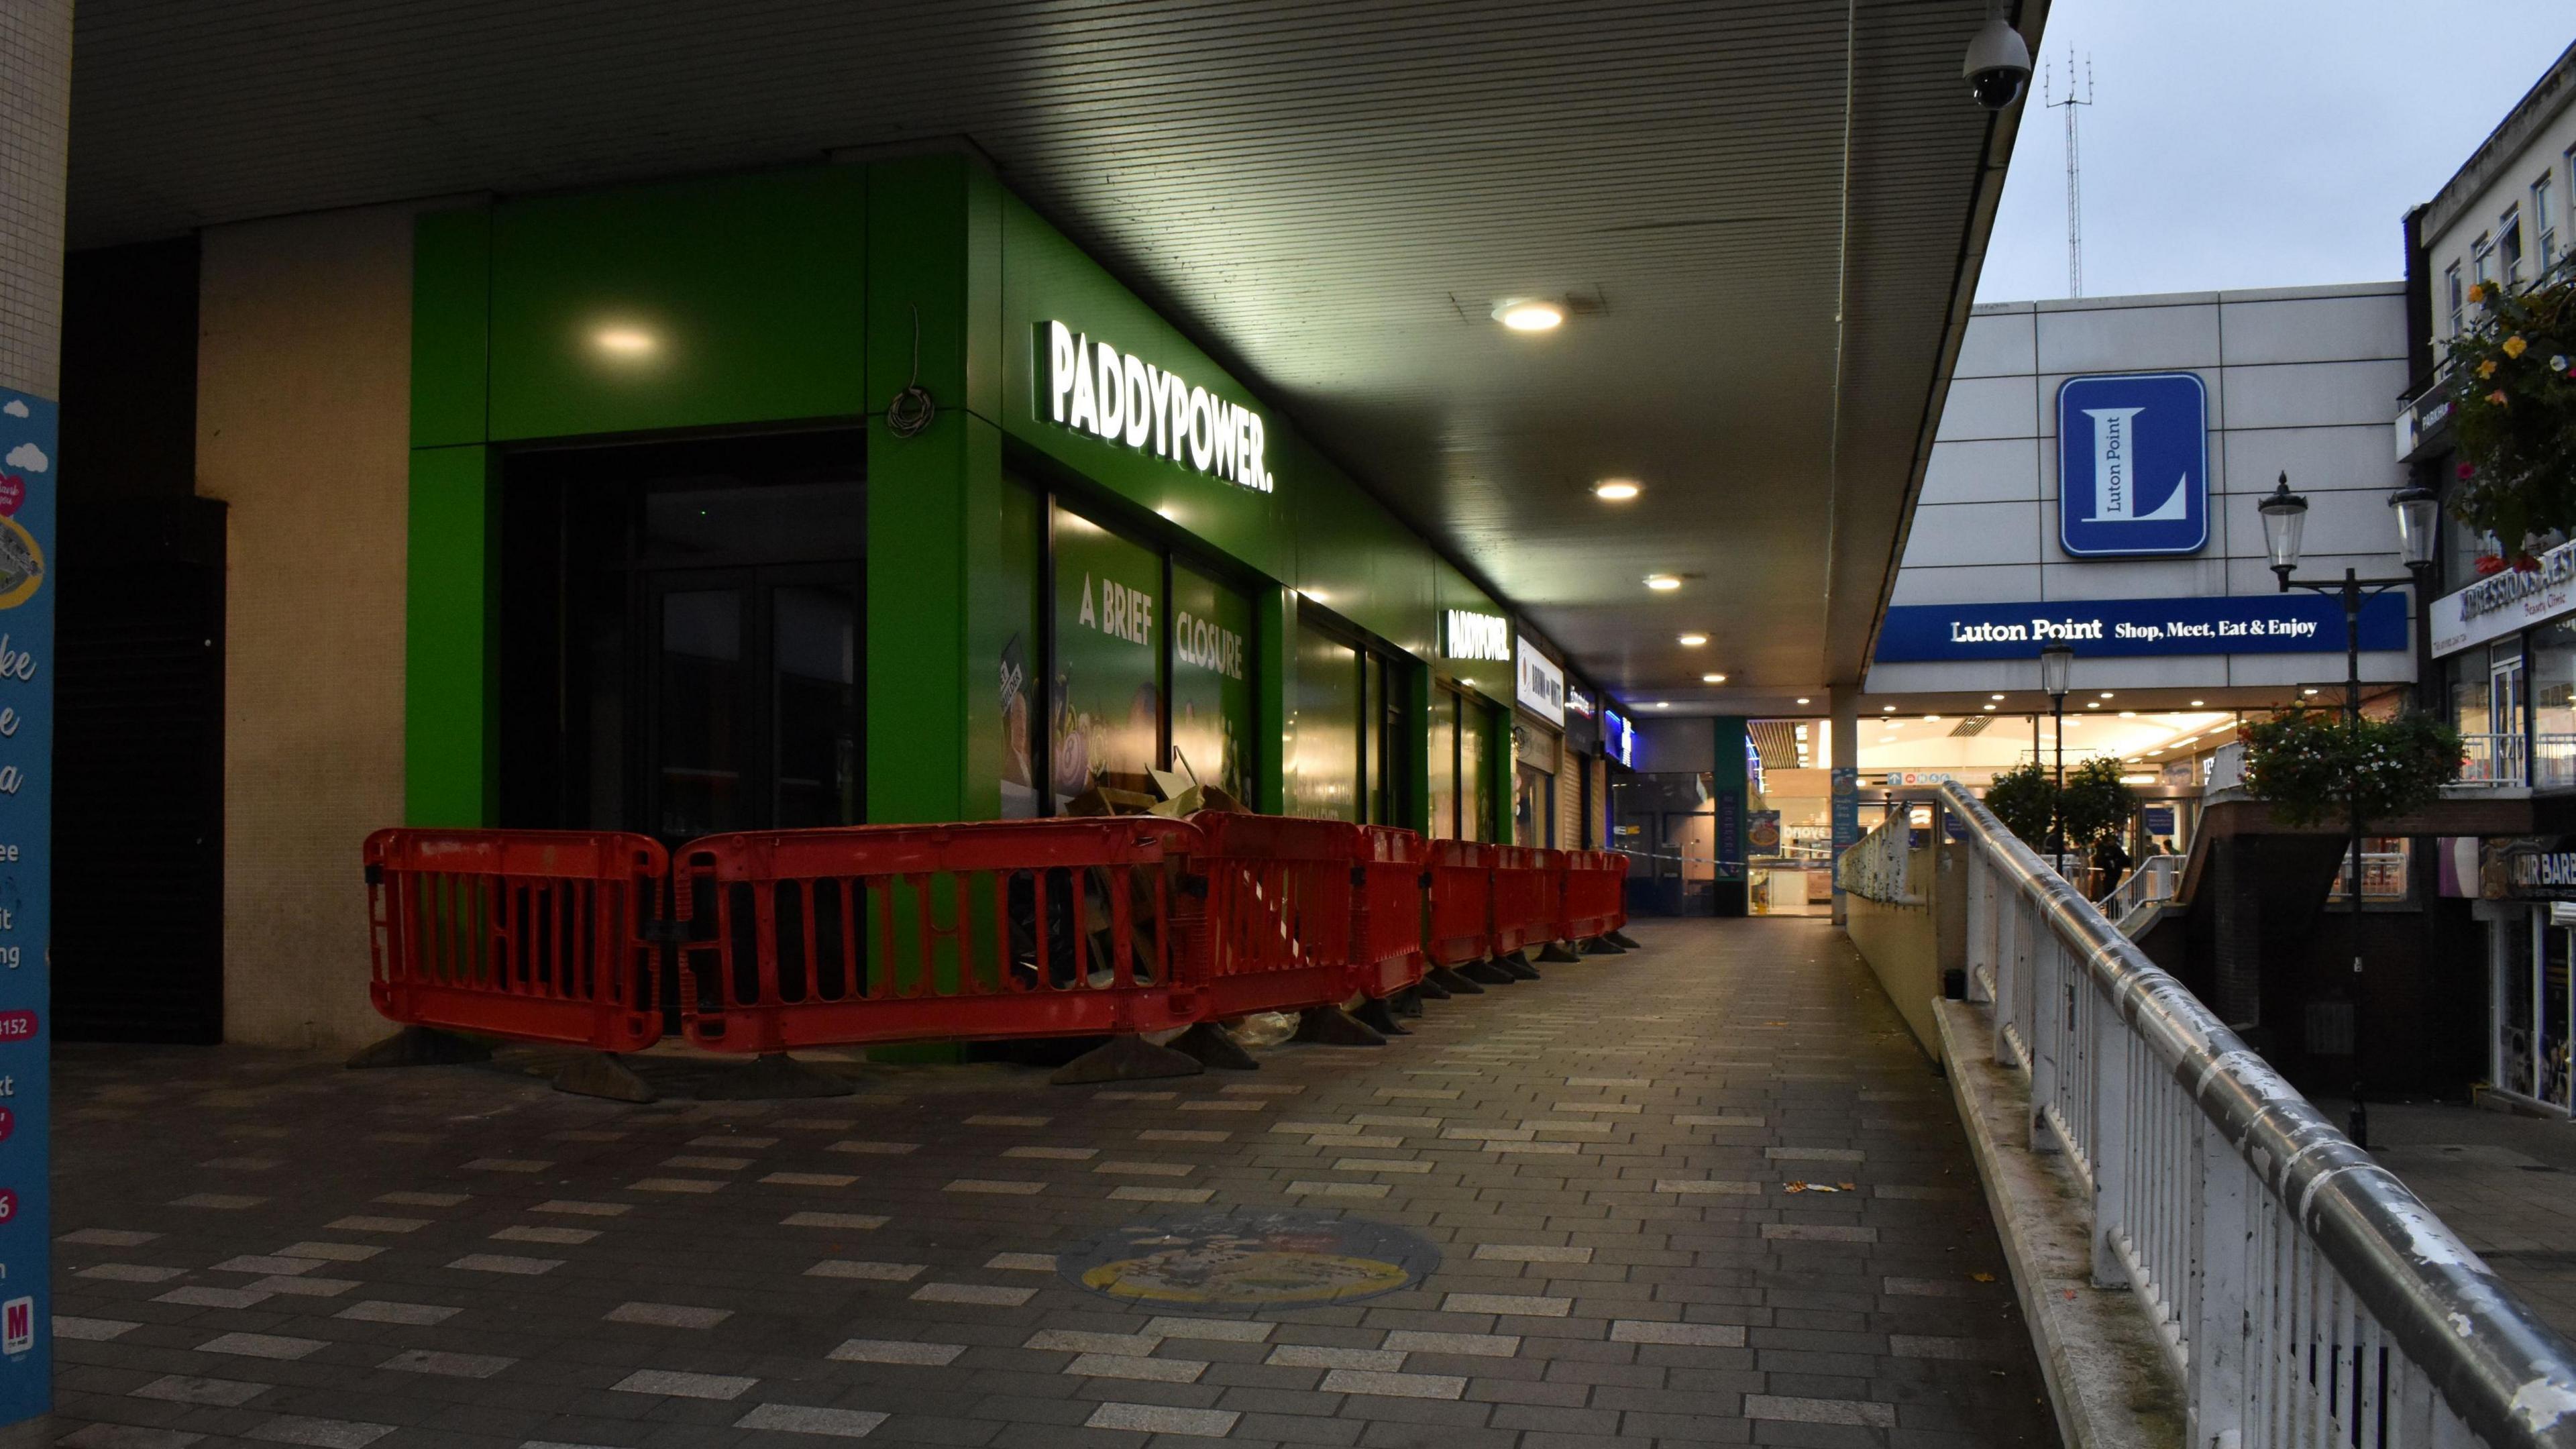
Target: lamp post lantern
(2285,516)
(2056,672)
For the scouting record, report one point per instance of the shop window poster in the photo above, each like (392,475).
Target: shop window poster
(1018,697)
(1108,659)
(1211,683)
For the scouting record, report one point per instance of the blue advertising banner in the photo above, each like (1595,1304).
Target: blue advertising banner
(1618,739)
(2132,465)
(2101,628)
(27,496)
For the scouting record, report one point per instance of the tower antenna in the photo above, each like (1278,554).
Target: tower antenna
(2074,166)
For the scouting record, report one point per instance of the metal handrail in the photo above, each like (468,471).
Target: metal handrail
(2156,879)
(2223,1227)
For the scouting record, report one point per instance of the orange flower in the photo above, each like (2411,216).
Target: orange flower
(2515,346)
(2487,368)
(2496,397)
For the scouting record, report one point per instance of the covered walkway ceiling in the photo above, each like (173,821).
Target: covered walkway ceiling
(1778,207)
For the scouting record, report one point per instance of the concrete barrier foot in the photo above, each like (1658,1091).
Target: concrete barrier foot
(1126,1059)
(1407,1002)
(1379,1017)
(1558,951)
(421,1046)
(604,1075)
(1332,1026)
(1452,982)
(774,1074)
(1519,965)
(1491,973)
(1427,989)
(1214,1047)
(1623,941)
(1603,946)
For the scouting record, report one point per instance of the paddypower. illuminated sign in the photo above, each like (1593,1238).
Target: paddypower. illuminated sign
(1118,397)
(1478,636)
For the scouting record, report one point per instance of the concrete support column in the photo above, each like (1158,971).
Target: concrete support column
(1733,891)
(35,135)
(2233,877)
(1844,700)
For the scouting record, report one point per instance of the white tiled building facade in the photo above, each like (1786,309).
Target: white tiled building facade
(2300,380)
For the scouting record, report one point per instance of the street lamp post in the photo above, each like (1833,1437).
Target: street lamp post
(2056,672)
(2284,518)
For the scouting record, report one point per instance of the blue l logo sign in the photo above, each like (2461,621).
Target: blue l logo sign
(2133,465)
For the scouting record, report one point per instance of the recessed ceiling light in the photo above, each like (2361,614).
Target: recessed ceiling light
(1693,641)
(1712,679)
(1891,709)
(2092,704)
(1528,314)
(1802,699)
(1994,696)
(1931,719)
(2307,691)
(1663,704)
(2106,694)
(1616,490)
(2128,714)
(1662,581)
(2195,704)
(623,341)
(1988,706)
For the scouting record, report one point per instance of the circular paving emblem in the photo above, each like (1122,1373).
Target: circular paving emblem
(1250,1258)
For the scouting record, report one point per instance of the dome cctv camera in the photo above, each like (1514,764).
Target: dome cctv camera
(1998,67)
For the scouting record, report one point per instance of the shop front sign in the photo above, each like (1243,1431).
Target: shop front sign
(1618,738)
(1469,635)
(1119,398)
(2540,871)
(1541,688)
(2111,628)
(2133,465)
(1577,702)
(2505,603)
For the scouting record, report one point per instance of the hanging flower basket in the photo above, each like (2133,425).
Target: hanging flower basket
(2513,387)
(2314,767)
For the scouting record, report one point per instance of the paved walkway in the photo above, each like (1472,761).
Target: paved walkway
(260,1247)
(2502,1182)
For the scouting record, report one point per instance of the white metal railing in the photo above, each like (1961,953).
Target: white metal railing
(1874,866)
(2156,879)
(2303,1294)
(2383,876)
(2553,761)
(2491,760)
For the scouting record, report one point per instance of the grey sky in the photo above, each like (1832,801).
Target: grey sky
(2258,143)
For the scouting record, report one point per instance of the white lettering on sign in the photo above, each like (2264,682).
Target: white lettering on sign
(14,664)
(1479,636)
(1204,643)
(1120,398)
(2505,603)
(1124,613)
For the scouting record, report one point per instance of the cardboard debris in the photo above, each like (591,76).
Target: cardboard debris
(1102,800)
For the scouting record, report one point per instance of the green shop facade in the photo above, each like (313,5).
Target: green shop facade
(857,493)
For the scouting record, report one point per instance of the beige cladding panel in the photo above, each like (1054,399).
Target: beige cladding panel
(303,377)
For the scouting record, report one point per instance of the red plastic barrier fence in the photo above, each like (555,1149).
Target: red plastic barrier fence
(1386,937)
(1461,885)
(896,933)
(536,935)
(1524,906)
(1595,891)
(1282,909)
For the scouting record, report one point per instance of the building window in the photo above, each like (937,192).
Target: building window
(2482,260)
(2544,219)
(2509,246)
(2453,296)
